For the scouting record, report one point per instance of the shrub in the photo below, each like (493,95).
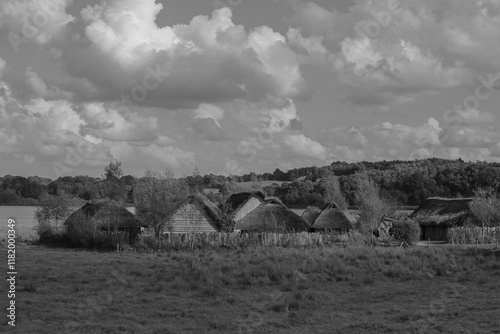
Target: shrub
(407,231)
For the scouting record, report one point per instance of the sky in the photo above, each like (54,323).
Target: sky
(239,86)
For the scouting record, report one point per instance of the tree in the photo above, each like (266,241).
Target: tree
(486,207)
(113,170)
(52,211)
(156,197)
(372,206)
(330,188)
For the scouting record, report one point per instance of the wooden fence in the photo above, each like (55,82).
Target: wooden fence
(472,235)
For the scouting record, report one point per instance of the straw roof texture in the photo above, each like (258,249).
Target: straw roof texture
(331,218)
(105,215)
(310,214)
(235,201)
(443,211)
(203,204)
(271,216)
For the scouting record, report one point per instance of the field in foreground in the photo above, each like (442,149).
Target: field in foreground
(265,290)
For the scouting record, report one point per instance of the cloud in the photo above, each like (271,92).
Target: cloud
(210,111)
(173,157)
(209,60)
(40,89)
(2,66)
(474,139)
(89,134)
(305,147)
(37,20)
(207,129)
(391,54)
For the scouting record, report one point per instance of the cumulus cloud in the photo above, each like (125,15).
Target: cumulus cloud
(171,156)
(33,20)
(392,53)
(305,147)
(61,131)
(208,60)
(206,110)
(39,88)
(469,140)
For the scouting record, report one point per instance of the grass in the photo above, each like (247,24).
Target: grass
(262,290)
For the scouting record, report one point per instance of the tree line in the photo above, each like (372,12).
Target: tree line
(406,182)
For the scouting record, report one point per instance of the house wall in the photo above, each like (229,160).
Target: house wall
(434,232)
(248,207)
(190,219)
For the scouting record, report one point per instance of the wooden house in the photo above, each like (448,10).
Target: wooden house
(195,215)
(435,215)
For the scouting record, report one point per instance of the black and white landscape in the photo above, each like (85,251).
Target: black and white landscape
(250,166)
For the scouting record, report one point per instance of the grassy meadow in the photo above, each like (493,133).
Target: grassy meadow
(259,290)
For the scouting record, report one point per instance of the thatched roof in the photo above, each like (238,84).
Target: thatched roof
(106,215)
(236,201)
(271,216)
(443,211)
(331,218)
(310,214)
(203,204)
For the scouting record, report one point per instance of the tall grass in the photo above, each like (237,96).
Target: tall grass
(235,241)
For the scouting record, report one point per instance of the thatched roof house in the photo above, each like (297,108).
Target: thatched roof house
(271,216)
(331,218)
(310,214)
(104,216)
(196,214)
(435,215)
(241,204)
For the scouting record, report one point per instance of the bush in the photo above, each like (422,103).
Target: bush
(407,231)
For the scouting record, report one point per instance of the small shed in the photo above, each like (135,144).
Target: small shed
(331,218)
(435,215)
(383,230)
(271,216)
(197,214)
(241,204)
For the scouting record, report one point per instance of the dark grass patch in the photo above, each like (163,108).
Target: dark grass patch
(344,290)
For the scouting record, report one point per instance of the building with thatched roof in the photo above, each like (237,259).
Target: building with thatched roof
(331,218)
(435,215)
(97,218)
(242,203)
(310,214)
(104,216)
(271,216)
(196,214)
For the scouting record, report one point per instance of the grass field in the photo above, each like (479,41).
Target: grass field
(262,290)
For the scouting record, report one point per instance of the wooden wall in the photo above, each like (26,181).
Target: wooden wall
(190,219)
(248,207)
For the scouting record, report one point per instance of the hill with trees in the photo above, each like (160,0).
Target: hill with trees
(405,182)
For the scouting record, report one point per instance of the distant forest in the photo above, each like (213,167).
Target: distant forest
(407,182)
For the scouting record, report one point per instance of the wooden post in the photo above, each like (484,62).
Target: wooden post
(117,248)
